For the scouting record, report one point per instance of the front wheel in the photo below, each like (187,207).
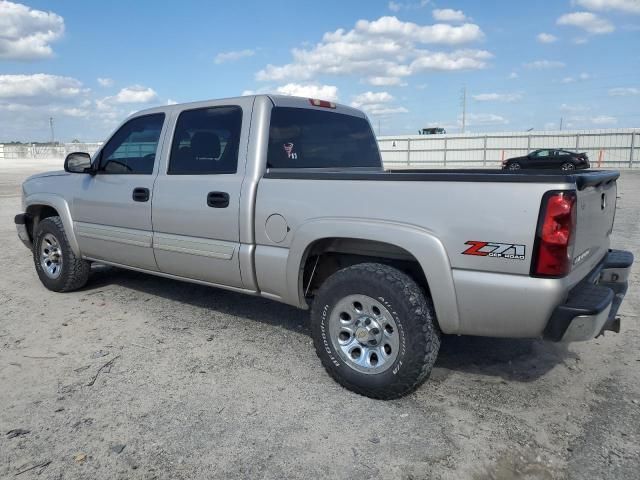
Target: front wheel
(375,330)
(57,266)
(514,166)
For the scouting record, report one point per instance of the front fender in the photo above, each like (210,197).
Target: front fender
(419,242)
(62,207)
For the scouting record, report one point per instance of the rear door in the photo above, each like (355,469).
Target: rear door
(112,209)
(197,196)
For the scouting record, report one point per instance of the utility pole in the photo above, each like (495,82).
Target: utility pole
(560,123)
(53,137)
(463,101)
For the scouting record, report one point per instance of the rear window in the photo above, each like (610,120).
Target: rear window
(306,138)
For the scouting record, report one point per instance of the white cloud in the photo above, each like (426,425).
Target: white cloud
(587,21)
(379,111)
(385,81)
(484,119)
(105,82)
(624,91)
(604,120)
(371,98)
(322,92)
(497,97)
(383,52)
(565,107)
(377,103)
(448,15)
(223,57)
(513,75)
(580,78)
(626,6)
(546,38)
(171,102)
(135,94)
(397,6)
(544,64)
(26,102)
(25,33)
(39,88)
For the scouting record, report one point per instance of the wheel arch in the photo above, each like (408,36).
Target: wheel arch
(384,241)
(41,206)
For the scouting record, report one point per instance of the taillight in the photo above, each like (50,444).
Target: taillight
(555,235)
(321,103)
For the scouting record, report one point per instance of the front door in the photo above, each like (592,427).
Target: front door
(197,200)
(112,209)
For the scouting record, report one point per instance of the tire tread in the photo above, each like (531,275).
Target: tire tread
(421,306)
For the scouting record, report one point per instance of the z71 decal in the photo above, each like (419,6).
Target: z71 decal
(510,251)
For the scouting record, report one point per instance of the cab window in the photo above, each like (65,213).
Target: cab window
(132,149)
(206,141)
(309,138)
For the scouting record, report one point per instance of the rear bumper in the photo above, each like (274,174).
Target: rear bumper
(21,221)
(592,305)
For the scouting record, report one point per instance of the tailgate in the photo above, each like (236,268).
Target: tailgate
(595,208)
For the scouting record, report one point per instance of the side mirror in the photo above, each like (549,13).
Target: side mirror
(78,162)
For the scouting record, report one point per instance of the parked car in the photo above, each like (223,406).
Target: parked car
(432,131)
(548,159)
(286,198)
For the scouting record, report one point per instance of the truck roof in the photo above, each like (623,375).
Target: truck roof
(277,100)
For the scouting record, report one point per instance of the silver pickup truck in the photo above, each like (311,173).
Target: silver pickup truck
(287,198)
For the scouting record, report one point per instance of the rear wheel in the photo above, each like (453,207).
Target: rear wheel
(375,330)
(568,166)
(514,166)
(57,266)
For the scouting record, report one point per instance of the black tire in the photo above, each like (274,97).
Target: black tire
(74,271)
(413,313)
(567,166)
(514,166)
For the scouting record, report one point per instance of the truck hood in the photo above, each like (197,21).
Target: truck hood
(56,173)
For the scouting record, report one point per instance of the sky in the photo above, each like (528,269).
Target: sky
(523,64)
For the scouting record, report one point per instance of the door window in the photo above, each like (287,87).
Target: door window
(206,141)
(541,153)
(132,149)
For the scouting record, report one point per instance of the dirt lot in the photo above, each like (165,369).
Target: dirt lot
(203,383)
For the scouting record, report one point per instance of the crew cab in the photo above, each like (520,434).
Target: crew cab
(287,198)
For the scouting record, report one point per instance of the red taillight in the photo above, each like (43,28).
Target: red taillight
(556,229)
(321,103)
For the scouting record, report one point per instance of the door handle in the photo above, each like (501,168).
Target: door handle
(218,199)
(140,194)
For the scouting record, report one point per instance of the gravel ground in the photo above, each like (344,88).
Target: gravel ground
(143,377)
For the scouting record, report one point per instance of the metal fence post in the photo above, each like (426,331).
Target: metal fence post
(484,152)
(633,144)
(528,143)
(445,153)
(408,151)
(577,142)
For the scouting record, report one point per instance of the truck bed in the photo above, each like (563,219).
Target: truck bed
(581,179)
